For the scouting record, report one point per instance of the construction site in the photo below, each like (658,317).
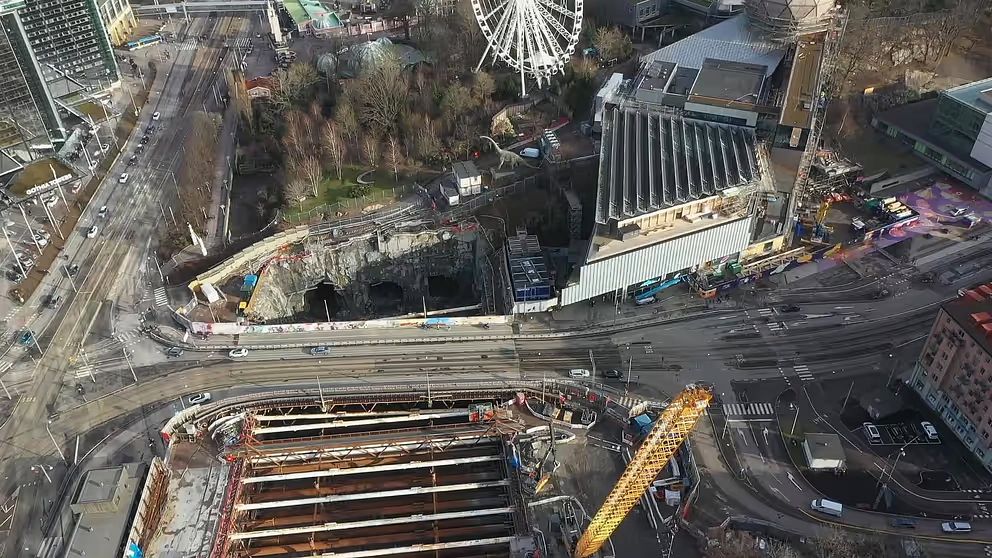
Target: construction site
(418,471)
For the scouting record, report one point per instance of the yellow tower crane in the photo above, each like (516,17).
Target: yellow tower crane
(668,433)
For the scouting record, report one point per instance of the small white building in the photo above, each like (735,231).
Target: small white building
(824,451)
(468,179)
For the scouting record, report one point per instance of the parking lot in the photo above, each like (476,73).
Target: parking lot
(898,434)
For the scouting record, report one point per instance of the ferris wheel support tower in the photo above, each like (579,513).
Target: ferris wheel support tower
(534,37)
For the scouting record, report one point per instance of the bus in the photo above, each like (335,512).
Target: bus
(144,42)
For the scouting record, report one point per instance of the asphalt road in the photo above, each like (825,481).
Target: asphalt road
(113,265)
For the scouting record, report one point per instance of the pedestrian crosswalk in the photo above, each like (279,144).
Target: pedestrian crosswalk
(766,312)
(777,326)
(627,402)
(242,43)
(188,44)
(84,371)
(748,409)
(161,297)
(803,372)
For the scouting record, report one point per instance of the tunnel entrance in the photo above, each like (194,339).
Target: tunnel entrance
(324,293)
(386,296)
(443,287)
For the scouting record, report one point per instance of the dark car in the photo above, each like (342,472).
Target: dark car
(26,338)
(174,352)
(789,308)
(615,374)
(52,301)
(144,139)
(903,523)
(72,270)
(321,350)
(132,160)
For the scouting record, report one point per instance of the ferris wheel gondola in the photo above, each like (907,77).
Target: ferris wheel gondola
(534,37)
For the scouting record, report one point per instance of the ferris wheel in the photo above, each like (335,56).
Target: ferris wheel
(534,37)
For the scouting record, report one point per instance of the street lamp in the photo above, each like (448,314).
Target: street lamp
(892,470)
(43,470)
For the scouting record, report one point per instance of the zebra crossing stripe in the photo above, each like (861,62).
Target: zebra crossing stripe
(84,371)
(161,297)
(801,368)
(188,44)
(748,409)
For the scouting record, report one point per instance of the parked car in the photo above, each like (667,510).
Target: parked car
(239,352)
(123,178)
(52,301)
(321,350)
(156,115)
(929,430)
(579,373)
(41,240)
(174,352)
(199,398)
(957,211)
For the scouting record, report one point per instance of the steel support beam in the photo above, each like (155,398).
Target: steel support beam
(416,548)
(368,523)
(369,495)
(339,471)
(360,422)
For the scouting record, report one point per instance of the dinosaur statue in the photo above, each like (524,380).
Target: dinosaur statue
(508,156)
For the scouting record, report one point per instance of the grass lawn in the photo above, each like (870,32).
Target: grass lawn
(37,173)
(332,190)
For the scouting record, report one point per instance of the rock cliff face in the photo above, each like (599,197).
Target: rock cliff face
(357,268)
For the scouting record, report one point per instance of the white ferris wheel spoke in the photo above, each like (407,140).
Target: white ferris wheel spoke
(534,37)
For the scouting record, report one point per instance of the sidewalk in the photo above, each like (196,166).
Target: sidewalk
(220,186)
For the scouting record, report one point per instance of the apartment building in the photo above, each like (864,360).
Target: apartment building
(954,372)
(118,18)
(70,39)
(29,118)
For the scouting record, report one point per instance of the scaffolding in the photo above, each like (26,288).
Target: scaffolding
(668,433)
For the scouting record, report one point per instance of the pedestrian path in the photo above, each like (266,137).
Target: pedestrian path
(188,44)
(748,409)
(803,372)
(161,297)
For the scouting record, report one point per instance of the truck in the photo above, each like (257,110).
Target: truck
(828,507)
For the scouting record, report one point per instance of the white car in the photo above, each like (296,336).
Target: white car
(199,398)
(92,232)
(41,240)
(957,211)
(579,373)
(51,201)
(239,352)
(123,178)
(929,430)
(155,116)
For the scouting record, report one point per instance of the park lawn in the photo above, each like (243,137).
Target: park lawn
(332,190)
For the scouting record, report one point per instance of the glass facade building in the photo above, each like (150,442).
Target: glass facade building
(29,119)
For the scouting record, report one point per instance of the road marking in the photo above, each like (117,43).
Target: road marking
(161,297)
(188,44)
(745,409)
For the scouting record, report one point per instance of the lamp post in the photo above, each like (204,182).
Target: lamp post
(55,443)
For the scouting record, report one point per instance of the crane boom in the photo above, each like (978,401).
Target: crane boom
(667,434)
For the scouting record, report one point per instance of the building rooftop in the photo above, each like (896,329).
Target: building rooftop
(732,39)
(825,446)
(654,160)
(730,81)
(973,312)
(977,94)
(528,268)
(800,95)
(102,534)
(465,169)
(99,485)
(914,119)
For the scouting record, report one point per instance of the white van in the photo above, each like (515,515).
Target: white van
(530,153)
(828,507)
(645,301)
(579,373)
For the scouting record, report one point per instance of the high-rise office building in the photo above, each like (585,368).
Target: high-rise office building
(29,119)
(119,19)
(69,38)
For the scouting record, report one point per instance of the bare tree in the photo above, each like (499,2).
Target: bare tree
(295,86)
(383,96)
(334,148)
(346,116)
(309,170)
(295,189)
(394,156)
(426,144)
(370,148)
(612,43)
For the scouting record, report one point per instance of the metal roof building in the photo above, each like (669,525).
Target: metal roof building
(529,275)
(732,39)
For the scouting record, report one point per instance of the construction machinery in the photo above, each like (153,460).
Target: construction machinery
(658,447)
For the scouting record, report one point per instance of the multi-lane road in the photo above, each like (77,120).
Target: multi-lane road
(113,268)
